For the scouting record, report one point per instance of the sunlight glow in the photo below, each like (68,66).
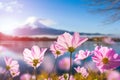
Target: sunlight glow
(7,26)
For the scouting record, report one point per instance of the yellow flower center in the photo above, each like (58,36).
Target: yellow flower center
(13,73)
(58,52)
(71,49)
(35,62)
(105,60)
(65,76)
(7,67)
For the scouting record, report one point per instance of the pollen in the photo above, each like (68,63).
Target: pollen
(7,67)
(105,60)
(65,76)
(58,52)
(35,62)
(71,49)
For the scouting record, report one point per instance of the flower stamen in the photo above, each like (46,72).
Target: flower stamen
(105,60)
(65,76)
(58,52)
(35,62)
(7,67)
(71,49)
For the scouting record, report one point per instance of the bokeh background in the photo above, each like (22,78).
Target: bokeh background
(24,23)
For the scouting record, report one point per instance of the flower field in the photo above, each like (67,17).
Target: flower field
(70,62)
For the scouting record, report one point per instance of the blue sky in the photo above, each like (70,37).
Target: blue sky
(72,15)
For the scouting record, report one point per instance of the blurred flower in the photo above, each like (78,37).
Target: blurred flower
(14,73)
(105,58)
(113,75)
(34,57)
(12,66)
(70,43)
(43,76)
(56,49)
(108,40)
(65,77)
(82,55)
(77,62)
(64,63)
(90,65)
(1,48)
(25,76)
(47,64)
(82,71)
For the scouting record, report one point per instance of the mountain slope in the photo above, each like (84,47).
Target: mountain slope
(37,28)
(38,31)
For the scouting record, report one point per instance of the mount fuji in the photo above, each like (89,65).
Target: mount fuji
(37,28)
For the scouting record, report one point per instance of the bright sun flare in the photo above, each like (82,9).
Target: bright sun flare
(7,26)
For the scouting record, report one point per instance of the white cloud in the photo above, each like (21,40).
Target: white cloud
(1,5)
(9,9)
(11,6)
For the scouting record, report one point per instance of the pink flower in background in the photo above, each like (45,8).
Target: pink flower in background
(12,66)
(56,49)
(1,48)
(64,63)
(65,77)
(48,64)
(105,58)
(82,55)
(34,57)
(113,75)
(70,43)
(108,40)
(82,70)
(14,73)
(25,76)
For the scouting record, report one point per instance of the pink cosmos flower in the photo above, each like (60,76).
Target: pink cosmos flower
(82,70)
(12,66)
(113,75)
(25,76)
(105,58)
(14,73)
(82,55)
(108,40)
(70,43)
(56,49)
(65,77)
(34,57)
(64,63)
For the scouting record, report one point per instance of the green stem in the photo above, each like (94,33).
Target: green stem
(35,73)
(70,72)
(10,77)
(54,64)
